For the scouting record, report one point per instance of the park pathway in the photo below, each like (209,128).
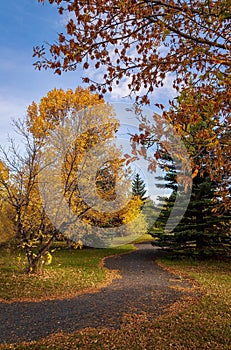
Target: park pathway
(144,287)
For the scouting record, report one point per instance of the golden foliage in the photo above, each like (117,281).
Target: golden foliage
(56,106)
(145,42)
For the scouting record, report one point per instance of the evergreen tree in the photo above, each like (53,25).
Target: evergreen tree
(148,206)
(201,230)
(151,213)
(165,204)
(138,187)
(201,225)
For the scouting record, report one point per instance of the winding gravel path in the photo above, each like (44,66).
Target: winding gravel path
(144,287)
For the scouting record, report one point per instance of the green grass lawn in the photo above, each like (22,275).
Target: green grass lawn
(70,272)
(203,323)
(144,238)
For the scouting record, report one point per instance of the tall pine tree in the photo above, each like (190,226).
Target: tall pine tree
(201,231)
(138,187)
(204,229)
(148,206)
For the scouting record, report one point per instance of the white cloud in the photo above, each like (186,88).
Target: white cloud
(166,92)
(121,91)
(160,95)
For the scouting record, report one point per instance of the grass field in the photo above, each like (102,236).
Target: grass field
(203,323)
(70,272)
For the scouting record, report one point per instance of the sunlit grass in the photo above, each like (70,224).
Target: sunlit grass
(204,324)
(132,239)
(70,272)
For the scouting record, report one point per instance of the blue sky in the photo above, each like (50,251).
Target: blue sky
(24,24)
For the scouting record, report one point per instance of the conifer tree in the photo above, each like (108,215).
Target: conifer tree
(201,230)
(138,187)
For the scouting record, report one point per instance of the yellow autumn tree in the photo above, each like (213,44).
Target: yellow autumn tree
(183,44)
(6,212)
(70,178)
(83,170)
(56,106)
(28,222)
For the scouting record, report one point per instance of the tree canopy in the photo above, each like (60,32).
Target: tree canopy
(70,179)
(145,41)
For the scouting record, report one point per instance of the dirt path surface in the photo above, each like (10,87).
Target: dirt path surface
(144,287)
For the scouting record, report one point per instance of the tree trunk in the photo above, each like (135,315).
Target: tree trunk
(33,260)
(32,267)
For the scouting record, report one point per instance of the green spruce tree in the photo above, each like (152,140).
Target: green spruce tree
(138,187)
(201,231)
